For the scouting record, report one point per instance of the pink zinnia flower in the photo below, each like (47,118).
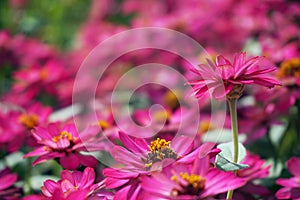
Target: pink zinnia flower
(190,181)
(225,78)
(127,180)
(142,157)
(255,171)
(66,144)
(291,188)
(7,191)
(72,185)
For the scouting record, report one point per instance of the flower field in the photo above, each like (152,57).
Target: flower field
(147,100)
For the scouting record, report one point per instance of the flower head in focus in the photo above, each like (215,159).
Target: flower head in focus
(72,185)
(197,180)
(66,144)
(226,79)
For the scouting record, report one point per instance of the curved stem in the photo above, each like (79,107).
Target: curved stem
(234,127)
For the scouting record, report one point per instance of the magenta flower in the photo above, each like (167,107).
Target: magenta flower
(15,124)
(225,78)
(72,185)
(126,183)
(143,157)
(7,190)
(66,144)
(255,171)
(190,181)
(127,180)
(291,186)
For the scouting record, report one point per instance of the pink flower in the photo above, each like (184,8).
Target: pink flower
(190,181)
(291,189)
(7,191)
(66,144)
(225,78)
(16,123)
(142,157)
(72,185)
(127,180)
(255,171)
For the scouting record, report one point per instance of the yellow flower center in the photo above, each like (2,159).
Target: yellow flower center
(103,124)
(158,144)
(29,120)
(203,127)
(162,115)
(44,73)
(289,68)
(171,99)
(195,183)
(159,150)
(63,134)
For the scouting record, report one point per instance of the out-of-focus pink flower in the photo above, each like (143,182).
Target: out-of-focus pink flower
(72,185)
(16,123)
(289,72)
(66,144)
(255,171)
(225,78)
(7,191)
(255,120)
(39,79)
(191,181)
(291,187)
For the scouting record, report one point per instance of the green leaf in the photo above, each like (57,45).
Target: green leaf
(224,159)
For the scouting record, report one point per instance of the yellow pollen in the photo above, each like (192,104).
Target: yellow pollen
(103,124)
(203,127)
(45,148)
(289,68)
(63,134)
(43,73)
(162,115)
(159,150)
(194,180)
(29,120)
(171,99)
(158,144)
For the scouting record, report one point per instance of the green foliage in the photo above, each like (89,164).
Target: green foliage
(52,21)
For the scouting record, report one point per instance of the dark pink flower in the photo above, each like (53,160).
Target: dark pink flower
(255,171)
(224,77)
(16,123)
(291,186)
(7,190)
(66,144)
(72,185)
(143,157)
(127,180)
(197,180)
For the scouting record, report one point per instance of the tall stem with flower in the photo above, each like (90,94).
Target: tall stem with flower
(226,80)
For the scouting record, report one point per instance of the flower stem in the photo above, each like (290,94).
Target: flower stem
(234,127)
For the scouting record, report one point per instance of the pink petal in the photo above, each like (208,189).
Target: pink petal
(87,160)
(49,187)
(114,182)
(293,165)
(87,178)
(70,161)
(130,144)
(126,157)
(7,181)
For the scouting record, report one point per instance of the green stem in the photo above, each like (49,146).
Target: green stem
(234,127)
